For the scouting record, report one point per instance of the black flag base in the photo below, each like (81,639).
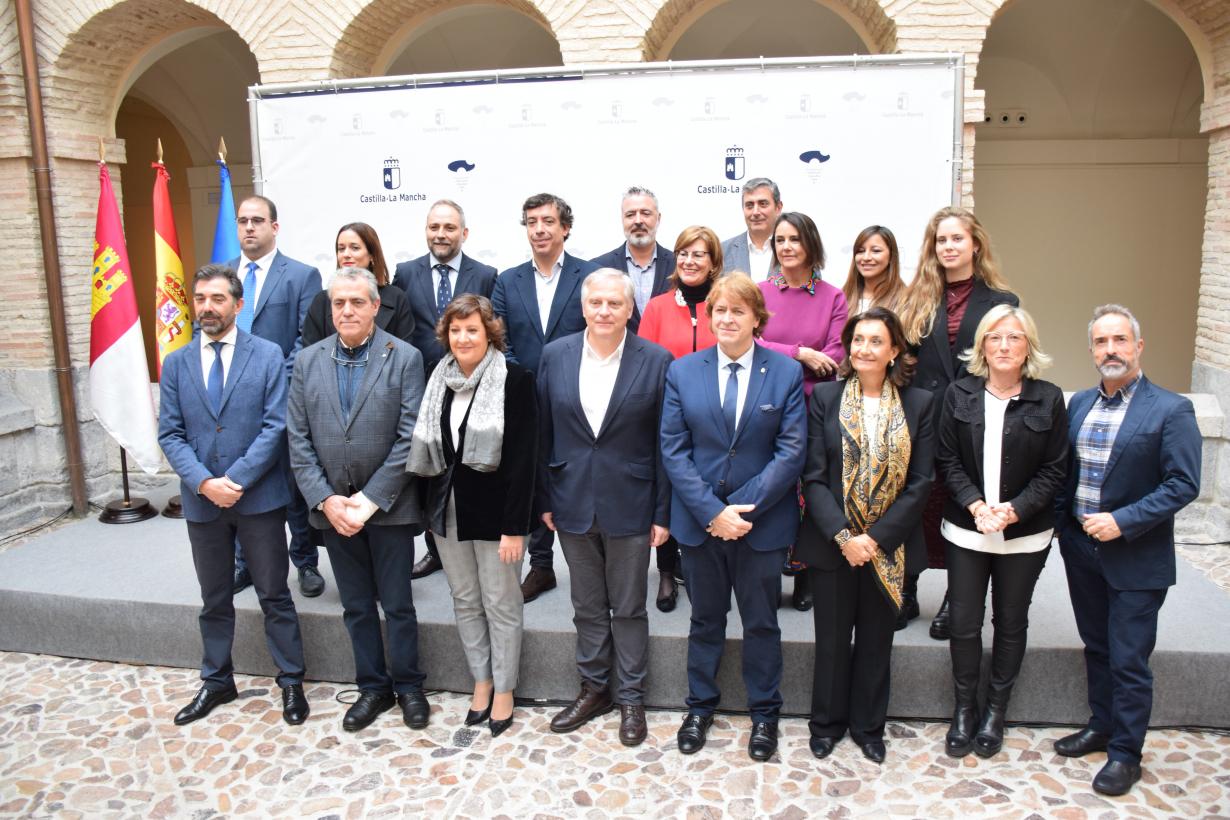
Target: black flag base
(173,509)
(127,512)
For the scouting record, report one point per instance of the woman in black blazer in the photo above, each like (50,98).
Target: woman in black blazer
(1003,451)
(957,282)
(358,246)
(476,441)
(870,450)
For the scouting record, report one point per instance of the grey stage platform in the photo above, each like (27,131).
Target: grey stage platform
(128,593)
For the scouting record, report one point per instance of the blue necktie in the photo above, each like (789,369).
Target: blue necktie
(730,399)
(213,387)
(444,293)
(244,319)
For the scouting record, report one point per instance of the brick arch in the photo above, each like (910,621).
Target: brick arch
(103,47)
(368,42)
(868,18)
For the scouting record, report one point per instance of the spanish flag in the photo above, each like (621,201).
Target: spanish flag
(171,322)
(120,393)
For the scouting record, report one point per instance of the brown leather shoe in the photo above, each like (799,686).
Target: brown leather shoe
(588,705)
(632,728)
(536,583)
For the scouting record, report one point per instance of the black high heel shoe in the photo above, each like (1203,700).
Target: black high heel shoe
(499,726)
(473,717)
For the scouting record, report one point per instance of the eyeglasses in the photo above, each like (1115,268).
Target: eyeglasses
(338,358)
(697,255)
(1013,339)
(254,221)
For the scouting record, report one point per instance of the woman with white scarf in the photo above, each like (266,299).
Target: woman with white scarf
(476,444)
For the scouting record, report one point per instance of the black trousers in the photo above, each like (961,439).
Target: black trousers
(213,555)
(1012,578)
(303,552)
(375,563)
(542,547)
(667,557)
(850,685)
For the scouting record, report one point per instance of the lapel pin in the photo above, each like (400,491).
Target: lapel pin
(762,370)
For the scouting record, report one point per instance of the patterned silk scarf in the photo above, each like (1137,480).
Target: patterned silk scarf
(874,464)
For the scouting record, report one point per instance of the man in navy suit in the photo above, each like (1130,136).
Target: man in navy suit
(647,263)
(602,488)
(431,282)
(752,251)
(222,425)
(734,434)
(279,291)
(540,301)
(1134,463)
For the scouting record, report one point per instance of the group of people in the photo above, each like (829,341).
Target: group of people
(720,403)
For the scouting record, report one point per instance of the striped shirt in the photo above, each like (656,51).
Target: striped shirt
(1094,442)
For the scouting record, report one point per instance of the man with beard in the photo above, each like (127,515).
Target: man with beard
(1134,463)
(221,423)
(431,282)
(647,263)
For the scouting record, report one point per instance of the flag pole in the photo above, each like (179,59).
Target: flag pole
(126,510)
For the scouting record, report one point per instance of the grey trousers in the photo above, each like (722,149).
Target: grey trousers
(609,587)
(487,603)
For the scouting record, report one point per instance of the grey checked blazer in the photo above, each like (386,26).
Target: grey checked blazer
(332,456)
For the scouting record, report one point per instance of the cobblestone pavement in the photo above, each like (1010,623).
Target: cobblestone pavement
(91,739)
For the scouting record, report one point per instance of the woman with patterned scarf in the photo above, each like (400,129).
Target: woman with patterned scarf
(870,454)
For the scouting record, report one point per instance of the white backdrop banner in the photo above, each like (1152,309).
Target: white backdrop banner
(850,143)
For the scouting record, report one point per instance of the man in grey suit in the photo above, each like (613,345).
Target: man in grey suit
(646,262)
(279,291)
(354,400)
(752,252)
(603,489)
(431,282)
(221,423)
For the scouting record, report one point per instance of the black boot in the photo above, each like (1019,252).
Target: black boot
(801,598)
(966,654)
(939,624)
(1007,653)
(909,603)
(990,737)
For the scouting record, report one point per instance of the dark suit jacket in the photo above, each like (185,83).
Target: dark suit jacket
(243,440)
(663,268)
(332,455)
(761,466)
(613,476)
(290,286)
(1033,456)
(394,316)
(516,302)
(414,278)
(1154,471)
(489,505)
(822,484)
(938,362)
(735,256)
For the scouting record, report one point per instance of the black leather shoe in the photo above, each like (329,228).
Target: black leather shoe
(691,735)
(874,750)
(821,747)
(204,703)
(763,742)
(960,738)
(939,624)
(909,603)
(415,710)
(801,597)
(367,708)
(242,580)
(429,564)
(990,737)
(310,582)
(473,718)
(1081,743)
(295,707)
(1116,778)
(536,583)
(668,592)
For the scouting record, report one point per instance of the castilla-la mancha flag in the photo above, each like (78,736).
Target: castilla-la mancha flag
(119,376)
(171,327)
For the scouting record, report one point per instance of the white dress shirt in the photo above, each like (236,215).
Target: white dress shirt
(759,260)
(262,270)
(545,286)
(454,270)
(596,381)
(228,353)
(744,377)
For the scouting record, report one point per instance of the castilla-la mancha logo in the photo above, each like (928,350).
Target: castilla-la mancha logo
(734,163)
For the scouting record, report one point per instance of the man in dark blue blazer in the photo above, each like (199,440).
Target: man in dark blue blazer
(431,282)
(647,263)
(602,488)
(1134,463)
(734,434)
(222,425)
(540,301)
(279,292)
